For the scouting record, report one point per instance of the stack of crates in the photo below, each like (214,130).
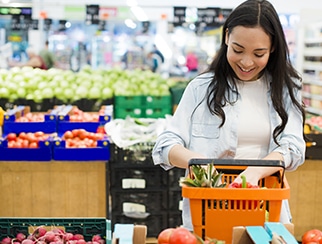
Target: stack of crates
(139,190)
(142,106)
(175,197)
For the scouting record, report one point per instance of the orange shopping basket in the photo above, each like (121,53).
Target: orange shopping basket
(215,211)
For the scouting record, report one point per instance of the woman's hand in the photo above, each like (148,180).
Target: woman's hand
(254,173)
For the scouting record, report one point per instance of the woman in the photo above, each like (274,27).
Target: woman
(34,60)
(246,106)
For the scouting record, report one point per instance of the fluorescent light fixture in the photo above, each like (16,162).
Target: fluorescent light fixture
(163,46)
(139,13)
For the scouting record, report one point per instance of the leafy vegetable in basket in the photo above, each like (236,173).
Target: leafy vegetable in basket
(203,177)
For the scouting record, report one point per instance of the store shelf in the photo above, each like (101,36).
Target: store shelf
(311,68)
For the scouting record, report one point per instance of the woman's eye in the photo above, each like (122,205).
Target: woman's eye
(259,55)
(236,51)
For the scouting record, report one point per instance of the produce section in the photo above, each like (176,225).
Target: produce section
(70,135)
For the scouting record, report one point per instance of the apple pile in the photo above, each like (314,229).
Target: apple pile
(26,140)
(81,138)
(68,86)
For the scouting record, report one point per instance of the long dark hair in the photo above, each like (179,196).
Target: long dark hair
(254,13)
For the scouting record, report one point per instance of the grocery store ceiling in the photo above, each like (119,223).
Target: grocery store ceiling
(154,9)
(281,5)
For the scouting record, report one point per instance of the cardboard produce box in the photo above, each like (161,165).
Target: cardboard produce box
(129,234)
(274,233)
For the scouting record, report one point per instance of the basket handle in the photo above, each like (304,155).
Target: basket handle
(241,162)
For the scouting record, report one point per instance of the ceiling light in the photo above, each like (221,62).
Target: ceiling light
(139,13)
(130,23)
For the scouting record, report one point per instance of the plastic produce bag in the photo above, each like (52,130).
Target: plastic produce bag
(130,131)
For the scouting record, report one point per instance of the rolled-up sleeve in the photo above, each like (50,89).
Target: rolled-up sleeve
(292,144)
(178,128)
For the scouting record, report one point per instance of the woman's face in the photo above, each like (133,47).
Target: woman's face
(248,51)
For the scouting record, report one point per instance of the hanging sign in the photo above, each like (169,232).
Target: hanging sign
(62,25)
(179,16)
(92,14)
(212,17)
(34,24)
(48,23)
(15,11)
(15,22)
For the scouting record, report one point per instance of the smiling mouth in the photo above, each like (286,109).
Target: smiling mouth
(245,70)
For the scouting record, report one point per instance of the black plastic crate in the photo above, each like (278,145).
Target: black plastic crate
(138,154)
(175,200)
(314,151)
(88,227)
(152,177)
(155,222)
(174,219)
(174,176)
(153,201)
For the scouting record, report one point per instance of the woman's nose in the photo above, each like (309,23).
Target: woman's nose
(247,62)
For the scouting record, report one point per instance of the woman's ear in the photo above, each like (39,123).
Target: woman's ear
(226,37)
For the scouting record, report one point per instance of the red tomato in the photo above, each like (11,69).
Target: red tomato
(82,134)
(181,235)
(25,143)
(163,237)
(101,130)
(11,144)
(312,236)
(23,135)
(33,145)
(18,144)
(11,136)
(75,132)
(68,135)
(39,134)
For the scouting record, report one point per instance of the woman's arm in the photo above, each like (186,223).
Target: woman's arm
(179,156)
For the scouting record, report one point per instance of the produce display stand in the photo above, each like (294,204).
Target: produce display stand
(53,189)
(306,197)
(215,211)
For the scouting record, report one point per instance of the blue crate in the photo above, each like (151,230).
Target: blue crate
(64,124)
(17,127)
(99,153)
(10,126)
(43,153)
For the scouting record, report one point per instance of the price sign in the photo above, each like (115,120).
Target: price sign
(212,17)
(101,25)
(15,11)
(15,22)
(179,16)
(34,24)
(92,14)
(62,25)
